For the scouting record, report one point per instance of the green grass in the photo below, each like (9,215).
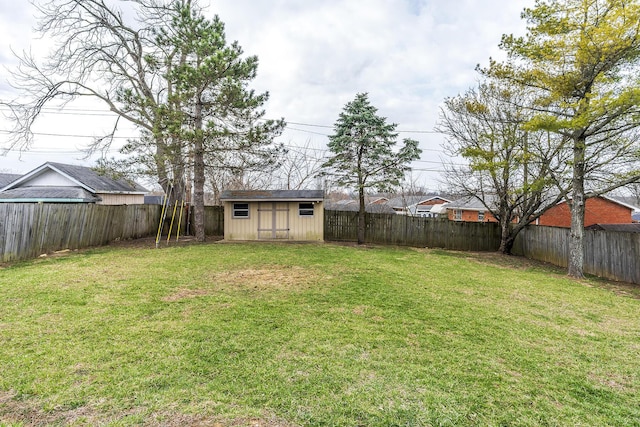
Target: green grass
(318,335)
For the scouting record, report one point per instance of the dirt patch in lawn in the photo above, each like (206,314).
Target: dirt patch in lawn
(273,277)
(269,278)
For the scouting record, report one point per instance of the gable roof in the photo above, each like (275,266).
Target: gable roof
(407,201)
(469,203)
(83,176)
(271,195)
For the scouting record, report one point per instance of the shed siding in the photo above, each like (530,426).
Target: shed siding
(309,228)
(301,228)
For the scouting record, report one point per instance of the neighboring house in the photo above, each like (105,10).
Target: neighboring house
(274,215)
(375,205)
(423,206)
(375,200)
(468,209)
(62,183)
(598,210)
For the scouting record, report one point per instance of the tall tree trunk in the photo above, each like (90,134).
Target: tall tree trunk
(198,175)
(506,238)
(576,243)
(361,216)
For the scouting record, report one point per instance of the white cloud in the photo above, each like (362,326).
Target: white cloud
(316,55)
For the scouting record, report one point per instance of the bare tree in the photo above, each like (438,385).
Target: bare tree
(102,54)
(516,174)
(299,168)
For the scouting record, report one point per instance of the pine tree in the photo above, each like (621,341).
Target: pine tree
(363,153)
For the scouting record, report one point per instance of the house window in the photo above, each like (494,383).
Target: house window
(457,214)
(241,210)
(305,209)
(480,216)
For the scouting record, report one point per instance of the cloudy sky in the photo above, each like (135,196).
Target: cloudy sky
(409,55)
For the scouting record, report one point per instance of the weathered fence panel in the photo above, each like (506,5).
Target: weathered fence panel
(402,230)
(610,254)
(214,220)
(30,229)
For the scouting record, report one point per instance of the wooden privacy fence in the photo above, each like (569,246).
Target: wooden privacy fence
(214,220)
(392,229)
(28,230)
(610,254)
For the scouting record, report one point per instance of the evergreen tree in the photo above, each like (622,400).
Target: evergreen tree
(363,153)
(220,118)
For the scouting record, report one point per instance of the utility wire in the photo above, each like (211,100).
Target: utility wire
(107,113)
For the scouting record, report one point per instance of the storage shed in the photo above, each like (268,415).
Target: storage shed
(274,215)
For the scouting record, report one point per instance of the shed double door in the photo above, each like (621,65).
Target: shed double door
(273,220)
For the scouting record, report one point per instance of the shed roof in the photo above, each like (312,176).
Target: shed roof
(48,194)
(272,195)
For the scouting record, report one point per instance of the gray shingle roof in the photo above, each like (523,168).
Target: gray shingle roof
(626,228)
(48,194)
(7,178)
(258,195)
(98,183)
(468,203)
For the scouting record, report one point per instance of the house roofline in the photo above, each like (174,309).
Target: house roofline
(42,200)
(37,171)
(626,205)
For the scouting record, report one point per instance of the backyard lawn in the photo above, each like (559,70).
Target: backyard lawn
(286,335)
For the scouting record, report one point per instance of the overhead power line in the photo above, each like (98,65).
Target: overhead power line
(69,111)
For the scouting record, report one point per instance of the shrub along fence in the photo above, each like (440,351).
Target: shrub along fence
(392,229)
(28,230)
(611,254)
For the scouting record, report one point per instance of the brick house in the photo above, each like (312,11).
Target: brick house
(598,210)
(468,209)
